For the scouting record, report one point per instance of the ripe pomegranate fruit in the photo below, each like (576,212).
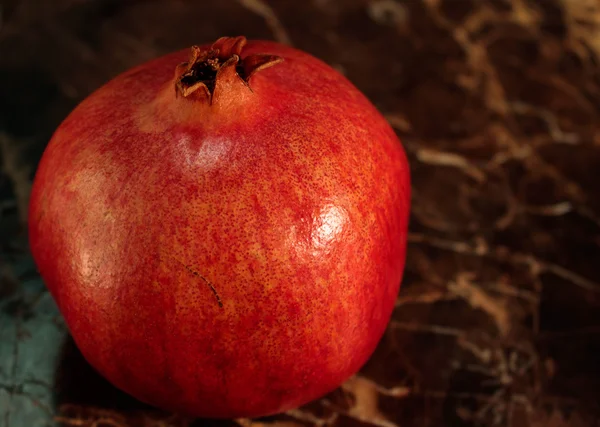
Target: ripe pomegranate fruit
(225,236)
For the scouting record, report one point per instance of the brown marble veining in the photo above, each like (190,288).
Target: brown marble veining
(497,103)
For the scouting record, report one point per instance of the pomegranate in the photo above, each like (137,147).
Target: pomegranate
(224,236)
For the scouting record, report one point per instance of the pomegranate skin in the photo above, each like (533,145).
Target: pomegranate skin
(229,259)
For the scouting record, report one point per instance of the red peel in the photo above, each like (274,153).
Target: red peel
(228,240)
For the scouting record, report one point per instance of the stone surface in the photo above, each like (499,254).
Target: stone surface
(497,102)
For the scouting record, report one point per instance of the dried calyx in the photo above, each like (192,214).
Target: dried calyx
(206,68)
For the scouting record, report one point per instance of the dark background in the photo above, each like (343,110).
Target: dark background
(497,103)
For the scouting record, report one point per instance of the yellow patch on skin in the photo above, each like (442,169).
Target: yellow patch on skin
(257,252)
(299,193)
(321,282)
(230,309)
(108,216)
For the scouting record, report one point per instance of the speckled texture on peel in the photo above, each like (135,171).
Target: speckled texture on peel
(240,262)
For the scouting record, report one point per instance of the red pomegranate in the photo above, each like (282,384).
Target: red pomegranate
(224,237)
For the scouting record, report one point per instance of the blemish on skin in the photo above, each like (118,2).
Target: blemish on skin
(210,285)
(200,276)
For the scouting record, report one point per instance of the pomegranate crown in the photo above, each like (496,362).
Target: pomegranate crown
(207,67)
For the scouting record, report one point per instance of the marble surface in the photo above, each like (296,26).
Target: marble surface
(497,103)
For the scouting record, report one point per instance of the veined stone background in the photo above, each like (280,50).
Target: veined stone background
(497,103)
